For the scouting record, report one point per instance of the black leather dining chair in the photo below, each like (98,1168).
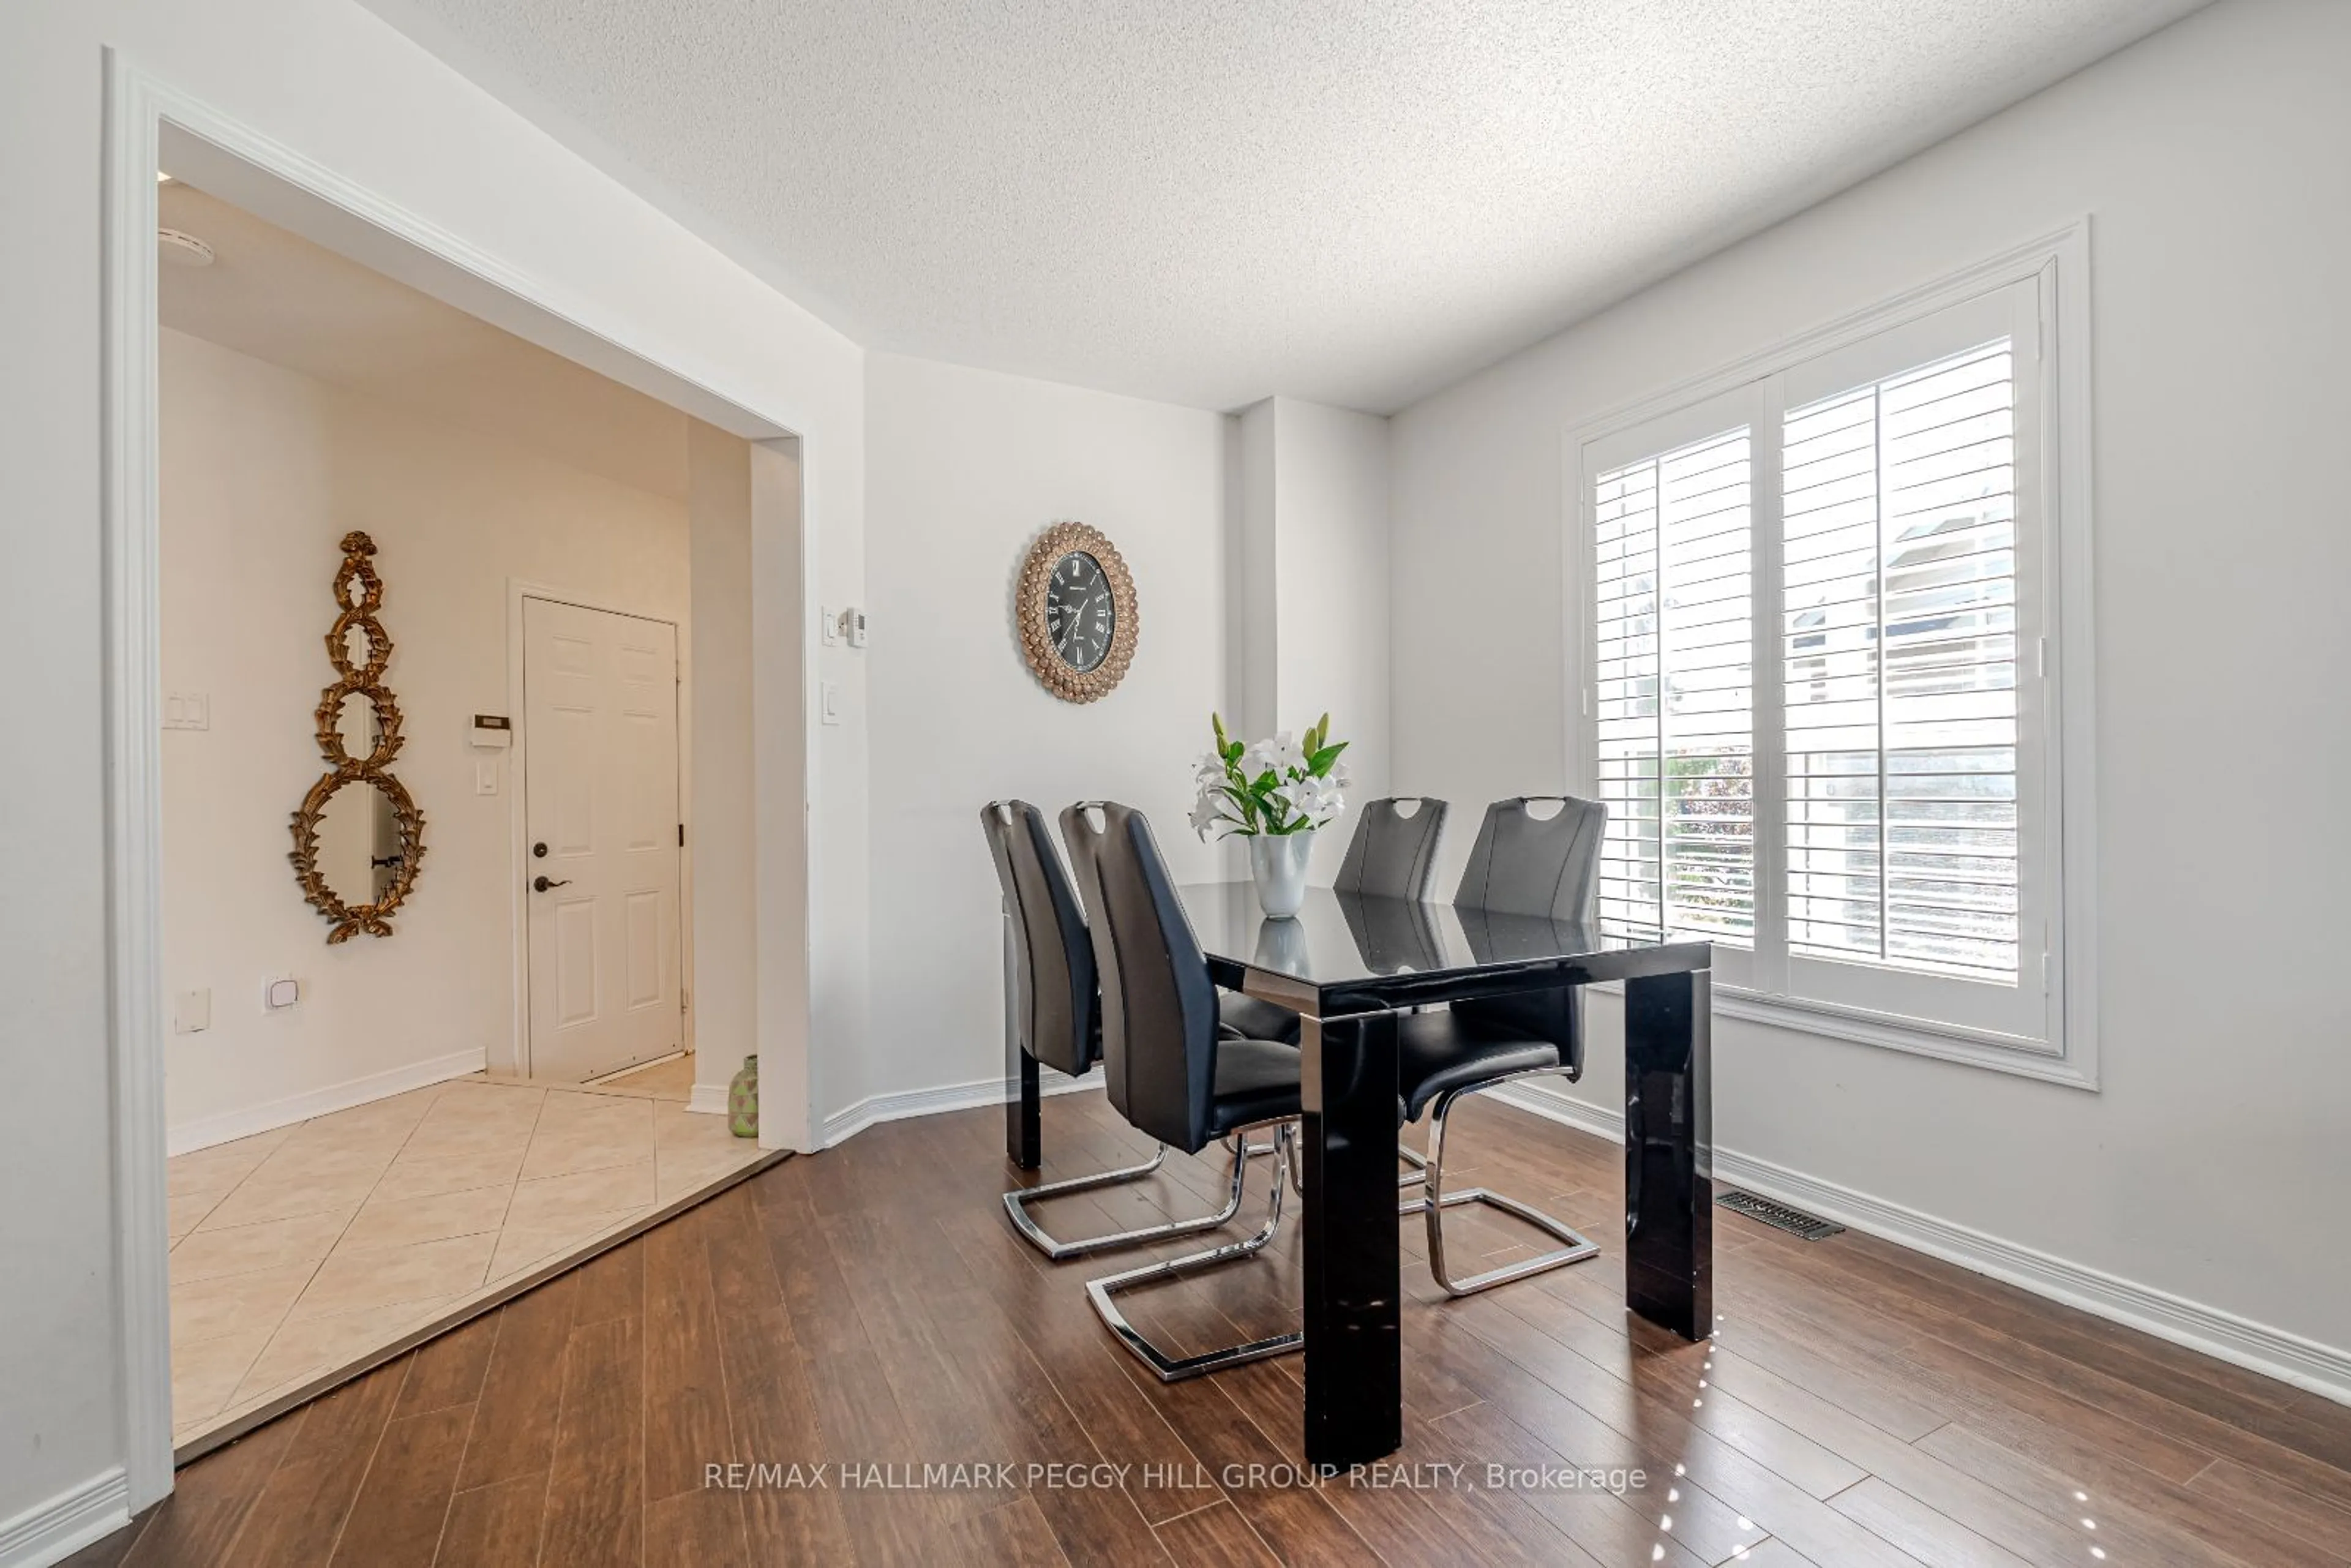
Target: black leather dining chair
(1169,1070)
(1526,864)
(1532,867)
(1057,1011)
(1252,1017)
(1393,854)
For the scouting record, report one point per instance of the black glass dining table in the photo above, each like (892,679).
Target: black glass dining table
(1349,964)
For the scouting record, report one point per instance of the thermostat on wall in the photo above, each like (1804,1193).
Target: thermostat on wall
(494,730)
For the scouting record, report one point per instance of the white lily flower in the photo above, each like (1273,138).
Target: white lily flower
(1295,801)
(1280,754)
(1317,799)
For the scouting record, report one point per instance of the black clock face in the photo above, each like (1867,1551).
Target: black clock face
(1077,610)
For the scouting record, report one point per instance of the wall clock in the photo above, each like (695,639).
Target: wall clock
(1076,612)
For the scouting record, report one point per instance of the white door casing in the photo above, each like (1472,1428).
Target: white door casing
(147,115)
(600,794)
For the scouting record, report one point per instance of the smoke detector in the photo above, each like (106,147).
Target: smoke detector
(181,249)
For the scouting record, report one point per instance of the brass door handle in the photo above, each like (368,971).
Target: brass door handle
(542,883)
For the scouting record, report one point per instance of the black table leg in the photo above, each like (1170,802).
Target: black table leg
(1023,1137)
(1669,1152)
(1355,1363)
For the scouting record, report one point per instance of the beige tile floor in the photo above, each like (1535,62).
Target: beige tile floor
(671,1080)
(298,1251)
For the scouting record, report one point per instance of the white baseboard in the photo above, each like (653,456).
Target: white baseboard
(848,1124)
(50,1531)
(229,1125)
(2322,1369)
(708,1098)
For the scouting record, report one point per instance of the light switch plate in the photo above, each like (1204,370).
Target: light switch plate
(827,625)
(486,776)
(830,696)
(280,991)
(192,1012)
(187,710)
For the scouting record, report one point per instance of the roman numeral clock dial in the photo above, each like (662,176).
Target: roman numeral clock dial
(1076,612)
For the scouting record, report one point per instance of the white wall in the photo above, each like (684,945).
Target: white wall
(1258,545)
(1330,573)
(264,470)
(330,81)
(2211,1163)
(724,971)
(967,467)
(1307,577)
(1252,578)
(810,970)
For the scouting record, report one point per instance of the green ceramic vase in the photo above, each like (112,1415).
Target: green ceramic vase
(743,1100)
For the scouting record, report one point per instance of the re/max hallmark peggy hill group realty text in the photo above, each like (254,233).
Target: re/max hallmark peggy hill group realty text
(1006,1475)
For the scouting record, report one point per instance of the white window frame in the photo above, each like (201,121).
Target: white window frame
(2056,265)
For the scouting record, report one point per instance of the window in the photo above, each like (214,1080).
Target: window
(1820,696)
(1675,662)
(1898,607)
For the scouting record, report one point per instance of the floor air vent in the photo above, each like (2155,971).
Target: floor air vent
(1780,1217)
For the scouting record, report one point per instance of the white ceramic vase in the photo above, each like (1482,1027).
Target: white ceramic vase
(1277,866)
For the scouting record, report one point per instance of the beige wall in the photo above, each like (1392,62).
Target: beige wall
(264,470)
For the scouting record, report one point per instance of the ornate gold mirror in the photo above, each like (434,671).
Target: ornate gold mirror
(358,837)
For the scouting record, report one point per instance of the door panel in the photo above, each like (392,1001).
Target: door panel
(643,921)
(572,736)
(575,962)
(600,792)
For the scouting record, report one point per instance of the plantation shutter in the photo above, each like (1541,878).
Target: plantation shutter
(1863,833)
(1910,698)
(1674,676)
(1898,620)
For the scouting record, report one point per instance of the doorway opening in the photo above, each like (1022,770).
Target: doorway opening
(360,1151)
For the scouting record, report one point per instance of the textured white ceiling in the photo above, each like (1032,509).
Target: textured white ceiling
(1209,201)
(277,296)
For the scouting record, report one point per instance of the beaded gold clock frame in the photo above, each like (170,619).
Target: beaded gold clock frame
(1061,678)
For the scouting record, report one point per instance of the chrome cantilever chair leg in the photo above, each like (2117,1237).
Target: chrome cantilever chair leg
(1174,1369)
(1297,1166)
(1417,1160)
(1437,1200)
(1016,1207)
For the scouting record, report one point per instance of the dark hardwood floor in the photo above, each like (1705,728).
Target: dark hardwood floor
(869,1307)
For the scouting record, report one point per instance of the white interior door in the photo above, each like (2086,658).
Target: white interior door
(600,798)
